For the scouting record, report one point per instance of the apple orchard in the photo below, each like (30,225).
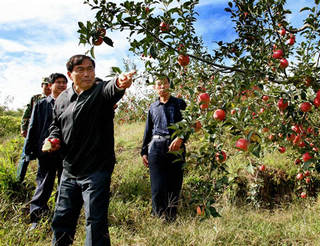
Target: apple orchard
(256,95)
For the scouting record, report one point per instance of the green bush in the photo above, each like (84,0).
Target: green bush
(9,125)
(9,154)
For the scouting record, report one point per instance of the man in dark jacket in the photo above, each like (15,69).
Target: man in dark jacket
(48,163)
(83,121)
(166,168)
(24,159)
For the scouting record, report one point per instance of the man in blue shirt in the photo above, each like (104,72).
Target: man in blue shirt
(166,168)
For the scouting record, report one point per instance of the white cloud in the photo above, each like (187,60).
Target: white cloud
(38,36)
(48,11)
(42,36)
(10,46)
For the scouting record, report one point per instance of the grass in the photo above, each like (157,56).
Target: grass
(297,223)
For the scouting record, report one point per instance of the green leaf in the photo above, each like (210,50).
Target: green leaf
(108,41)
(213,212)
(92,52)
(307,164)
(153,52)
(81,25)
(250,169)
(305,8)
(256,150)
(116,70)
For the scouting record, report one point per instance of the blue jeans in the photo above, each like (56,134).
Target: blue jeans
(166,175)
(49,167)
(91,191)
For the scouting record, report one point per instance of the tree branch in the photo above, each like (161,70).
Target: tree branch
(192,56)
(298,29)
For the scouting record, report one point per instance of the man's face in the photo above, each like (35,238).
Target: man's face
(83,75)
(162,86)
(59,85)
(46,89)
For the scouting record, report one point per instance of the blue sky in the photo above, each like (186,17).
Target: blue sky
(38,36)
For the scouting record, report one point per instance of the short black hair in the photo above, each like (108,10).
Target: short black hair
(77,60)
(54,76)
(162,76)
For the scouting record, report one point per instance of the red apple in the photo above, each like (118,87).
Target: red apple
(265,98)
(54,142)
(316,102)
(164,27)
(307,173)
(290,137)
(262,168)
(183,60)
(283,63)
(271,137)
(221,156)
(261,111)
(299,176)
(204,98)
(242,144)
(306,157)
(102,32)
(296,128)
(296,140)
(291,40)
(282,104)
(204,106)
(197,125)
(282,32)
(302,144)
(305,107)
(98,41)
(219,114)
(282,149)
(277,54)
(303,195)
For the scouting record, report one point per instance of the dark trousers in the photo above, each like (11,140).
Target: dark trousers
(23,164)
(91,191)
(49,166)
(166,175)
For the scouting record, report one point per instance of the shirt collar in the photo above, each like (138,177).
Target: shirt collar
(49,99)
(158,103)
(72,95)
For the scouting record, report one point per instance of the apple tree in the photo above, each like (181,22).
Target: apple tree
(261,90)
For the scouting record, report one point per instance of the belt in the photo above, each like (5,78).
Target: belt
(166,137)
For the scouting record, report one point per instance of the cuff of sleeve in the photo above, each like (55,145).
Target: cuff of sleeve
(117,87)
(143,152)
